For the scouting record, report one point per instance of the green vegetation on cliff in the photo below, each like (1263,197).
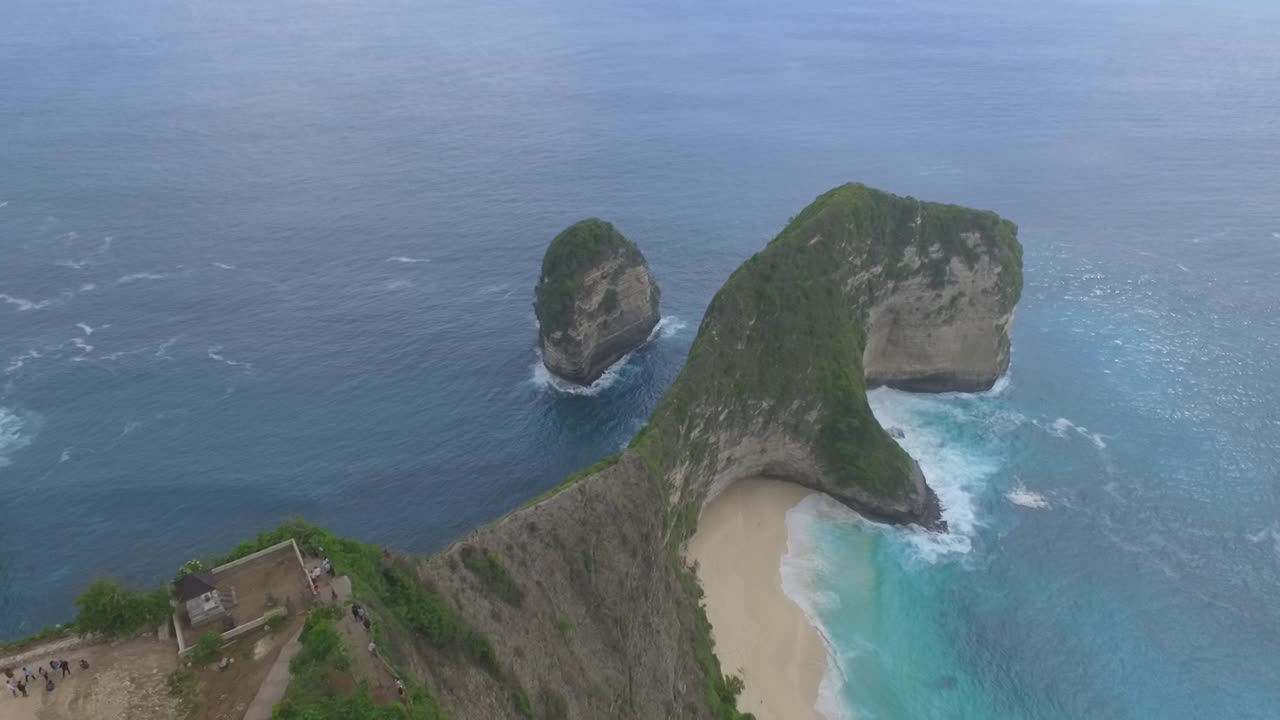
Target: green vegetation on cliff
(582,603)
(785,335)
(107,609)
(571,253)
(774,384)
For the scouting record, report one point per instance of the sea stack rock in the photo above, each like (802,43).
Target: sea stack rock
(595,301)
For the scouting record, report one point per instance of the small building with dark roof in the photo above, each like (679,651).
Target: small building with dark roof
(198,593)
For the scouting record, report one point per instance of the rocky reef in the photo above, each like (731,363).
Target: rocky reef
(596,301)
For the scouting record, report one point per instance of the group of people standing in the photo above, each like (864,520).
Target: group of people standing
(17,686)
(324,568)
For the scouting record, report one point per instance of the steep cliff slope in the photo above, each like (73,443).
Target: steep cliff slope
(583,594)
(596,301)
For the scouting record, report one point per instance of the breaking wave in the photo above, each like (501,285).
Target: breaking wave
(1063,428)
(802,567)
(12,437)
(666,327)
(16,362)
(215,353)
(137,277)
(1023,497)
(25,305)
(544,378)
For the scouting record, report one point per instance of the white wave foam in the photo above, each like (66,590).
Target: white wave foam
(5,203)
(544,378)
(1023,497)
(1183,268)
(163,350)
(1062,427)
(65,456)
(224,266)
(215,353)
(86,328)
(25,305)
(1275,235)
(403,259)
(957,472)
(16,363)
(800,568)
(398,284)
(11,435)
(1000,386)
(667,327)
(87,287)
(136,277)
(1272,531)
(84,346)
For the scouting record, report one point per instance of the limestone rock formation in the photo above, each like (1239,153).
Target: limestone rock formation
(584,593)
(596,301)
(946,329)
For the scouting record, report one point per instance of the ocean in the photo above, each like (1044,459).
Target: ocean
(260,260)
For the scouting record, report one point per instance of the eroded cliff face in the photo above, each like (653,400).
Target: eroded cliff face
(596,301)
(950,338)
(609,622)
(616,309)
(606,623)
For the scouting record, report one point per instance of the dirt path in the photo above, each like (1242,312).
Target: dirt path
(276,683)
(382,684)
(35,652)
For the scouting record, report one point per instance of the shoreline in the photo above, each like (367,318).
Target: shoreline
(760,634)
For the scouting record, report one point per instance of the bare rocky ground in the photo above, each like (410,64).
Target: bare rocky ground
(125,681)
(128,680)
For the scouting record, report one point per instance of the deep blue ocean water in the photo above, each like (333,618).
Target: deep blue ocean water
(268,259)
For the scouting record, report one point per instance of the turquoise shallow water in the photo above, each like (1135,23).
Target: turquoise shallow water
(266,259)
(1098,564)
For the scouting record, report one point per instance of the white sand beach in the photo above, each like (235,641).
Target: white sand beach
(760,634)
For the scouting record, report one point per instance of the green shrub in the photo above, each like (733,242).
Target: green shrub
(520,702)
(311,695)
(552,705)
(566,627)
(385,585)
(110,610)
(321,655)
(182,687)
(570,254)
(206,649)
(492,575)
(357,706)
